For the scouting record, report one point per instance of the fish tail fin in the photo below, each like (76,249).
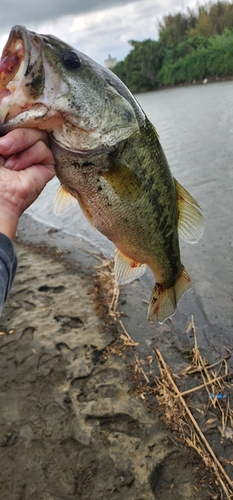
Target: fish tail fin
(164,301)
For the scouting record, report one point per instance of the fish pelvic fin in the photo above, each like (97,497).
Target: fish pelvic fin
(126,269)
(63,200)
(164,300)
(191,222)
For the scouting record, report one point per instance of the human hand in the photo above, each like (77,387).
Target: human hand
(28,166)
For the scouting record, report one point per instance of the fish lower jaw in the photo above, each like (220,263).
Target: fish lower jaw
(14,115)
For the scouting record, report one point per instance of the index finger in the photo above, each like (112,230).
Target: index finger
(20,139)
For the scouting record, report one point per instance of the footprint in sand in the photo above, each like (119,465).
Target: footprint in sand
(51,289)
(69,321)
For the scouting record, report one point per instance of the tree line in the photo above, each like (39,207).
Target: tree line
(192,46)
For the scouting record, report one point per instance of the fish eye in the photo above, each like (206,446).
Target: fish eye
(71,60)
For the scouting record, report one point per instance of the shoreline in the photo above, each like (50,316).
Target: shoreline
(209,79)
(74,394)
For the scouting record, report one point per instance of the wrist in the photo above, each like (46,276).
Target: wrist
(8,225)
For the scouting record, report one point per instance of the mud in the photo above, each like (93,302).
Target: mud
(72,424)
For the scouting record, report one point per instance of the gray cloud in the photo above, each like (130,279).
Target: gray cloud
(36,11)
(88,24)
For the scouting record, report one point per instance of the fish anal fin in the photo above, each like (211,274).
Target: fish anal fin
(190,219)
(164,300)
(126,269)
(63,200)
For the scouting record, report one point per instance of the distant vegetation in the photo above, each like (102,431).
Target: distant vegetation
(191,47)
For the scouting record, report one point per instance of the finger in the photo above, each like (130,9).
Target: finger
(37,154)
(22,138)
(19,189)
(36,178)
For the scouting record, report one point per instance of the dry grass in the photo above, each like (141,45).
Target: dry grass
(178,412)
(177,407)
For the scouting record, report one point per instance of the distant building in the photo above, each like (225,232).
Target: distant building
(110,62)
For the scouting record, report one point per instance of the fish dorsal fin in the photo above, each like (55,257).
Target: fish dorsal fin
(63,201)
(191,222)
(126,269)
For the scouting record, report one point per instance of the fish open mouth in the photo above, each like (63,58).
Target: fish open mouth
(25,98)
(20,56)
(13,64)
(11,61)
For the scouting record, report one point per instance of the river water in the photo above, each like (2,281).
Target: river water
(195,125)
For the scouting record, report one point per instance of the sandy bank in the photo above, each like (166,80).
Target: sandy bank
(71,424)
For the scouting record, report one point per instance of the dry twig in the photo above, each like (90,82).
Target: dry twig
(178,412)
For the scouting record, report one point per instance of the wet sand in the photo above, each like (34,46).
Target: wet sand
(75,423)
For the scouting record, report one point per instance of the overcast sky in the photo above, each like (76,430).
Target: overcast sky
(97,28)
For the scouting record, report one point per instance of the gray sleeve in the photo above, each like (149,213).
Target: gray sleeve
(8,266)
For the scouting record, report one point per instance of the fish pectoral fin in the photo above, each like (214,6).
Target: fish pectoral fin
(191,222)
(63,201)
(122,179)
(126,269)
(164,300)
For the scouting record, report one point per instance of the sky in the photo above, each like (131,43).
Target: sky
(97,28)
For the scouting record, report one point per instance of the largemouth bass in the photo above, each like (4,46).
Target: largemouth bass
(108,157)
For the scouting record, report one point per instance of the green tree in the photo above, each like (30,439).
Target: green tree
(191,46)
(211,59)
(172,29)
(204,24)
(140,68)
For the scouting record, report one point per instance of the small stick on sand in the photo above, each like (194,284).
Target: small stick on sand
(202,385)
(216,464)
